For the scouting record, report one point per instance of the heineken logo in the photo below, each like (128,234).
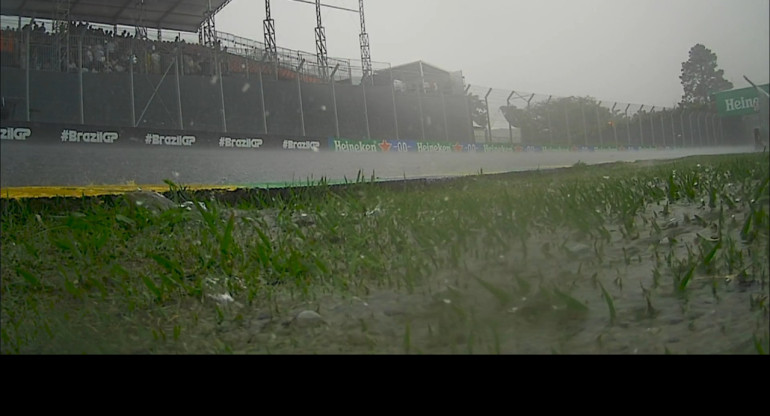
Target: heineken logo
(742,103)
(433,147)
(356,146)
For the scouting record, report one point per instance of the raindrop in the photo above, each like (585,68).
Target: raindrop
(246,87)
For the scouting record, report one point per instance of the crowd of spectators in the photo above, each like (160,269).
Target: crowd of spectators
(96,49)
(85,47)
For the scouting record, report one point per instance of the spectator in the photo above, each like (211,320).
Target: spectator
(155,57)
(99,57)
(88,57)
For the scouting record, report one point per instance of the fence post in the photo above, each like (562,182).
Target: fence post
(419,104)
(443,111)
(700,131)
(662,131)
(299,94)
(131,83)
(628,125)
(721,131)
(508,108)
(80,79)
(681,127)
(569,132)
(334,102)
(178,92)
(692,131)
(262,93)
(221,86)
(641,133)
(26,71)
(599,125)
(472,135)
(673,129)
(585,127)
(614,127)
(489,120)
(393,97)
(366,109)
(652,125)
(529,100)
(548,119)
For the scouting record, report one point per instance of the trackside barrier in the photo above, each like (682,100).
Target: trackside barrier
(84,135)
(92,135)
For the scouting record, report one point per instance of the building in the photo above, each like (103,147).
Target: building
(409,77)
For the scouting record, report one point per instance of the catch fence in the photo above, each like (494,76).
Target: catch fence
(548,120)
(106,75)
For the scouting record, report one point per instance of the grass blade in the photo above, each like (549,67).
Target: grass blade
(686,280)
(501,296)
(610,302)
(28,277)
(227,237)
(151,285)
(571,302)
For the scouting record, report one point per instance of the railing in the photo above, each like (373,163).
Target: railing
(498,115)
(589,122)
(57,49)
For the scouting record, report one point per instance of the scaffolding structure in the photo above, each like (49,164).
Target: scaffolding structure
(208,31)
(268,26)
(366,55)
(320,42)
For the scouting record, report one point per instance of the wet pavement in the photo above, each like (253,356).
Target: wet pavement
(25,164)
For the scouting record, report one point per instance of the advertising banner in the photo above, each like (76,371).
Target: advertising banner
(85,135)
(90,135)
(738,102)
(397,146)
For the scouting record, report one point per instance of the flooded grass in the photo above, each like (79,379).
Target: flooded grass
(654,258)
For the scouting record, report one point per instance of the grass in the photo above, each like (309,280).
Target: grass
(494,263)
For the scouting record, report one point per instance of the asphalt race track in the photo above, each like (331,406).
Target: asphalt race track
(26,164)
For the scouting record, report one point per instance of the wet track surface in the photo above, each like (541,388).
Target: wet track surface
(24,164)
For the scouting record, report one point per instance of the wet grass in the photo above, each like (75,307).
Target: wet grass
(667,257)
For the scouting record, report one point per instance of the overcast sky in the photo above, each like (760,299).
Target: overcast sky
(614,50)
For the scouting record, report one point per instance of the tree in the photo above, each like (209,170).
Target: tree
(701,78)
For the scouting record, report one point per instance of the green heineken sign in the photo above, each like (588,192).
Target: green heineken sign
(738,102)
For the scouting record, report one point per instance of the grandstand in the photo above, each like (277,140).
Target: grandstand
(163,66)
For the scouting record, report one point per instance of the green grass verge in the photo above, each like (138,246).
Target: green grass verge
(476,261)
